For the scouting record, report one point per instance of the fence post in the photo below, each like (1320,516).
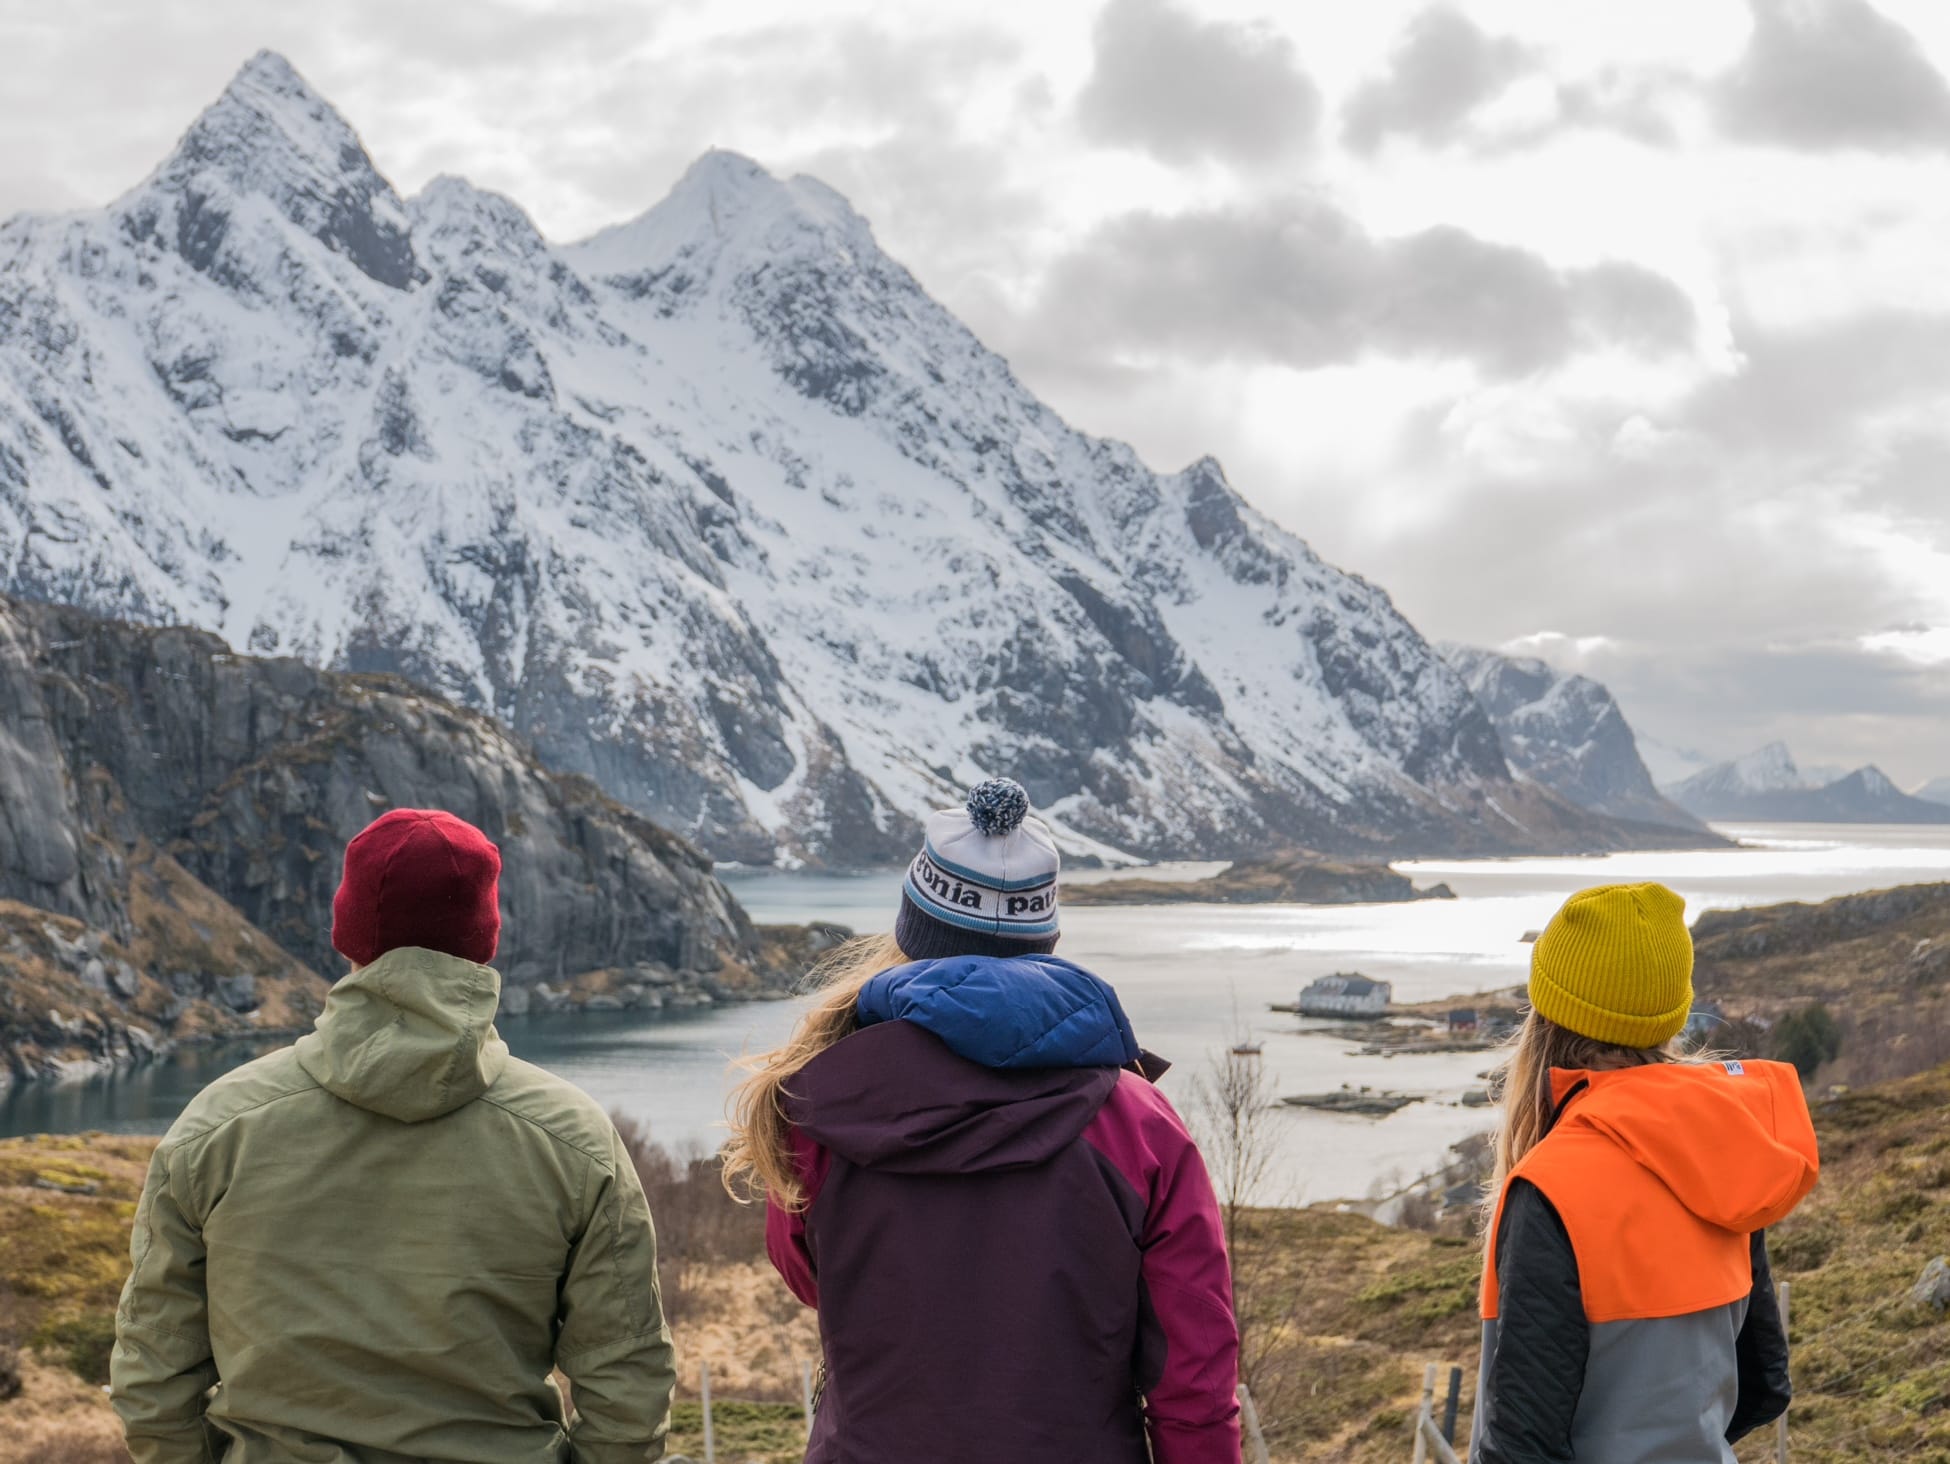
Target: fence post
(805,1393)
(1425,1415)
(1449,1408)
(1780,1424)
(1249,1417)
(704,1394)
(1437,1445)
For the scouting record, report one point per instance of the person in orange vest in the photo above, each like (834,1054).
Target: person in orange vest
(1628,1313)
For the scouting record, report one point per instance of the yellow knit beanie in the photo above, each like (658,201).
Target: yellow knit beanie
(1615,964)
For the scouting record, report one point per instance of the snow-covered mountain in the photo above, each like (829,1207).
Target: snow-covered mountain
(1766,785)
(1765,770)
(1566,732)
(718,507)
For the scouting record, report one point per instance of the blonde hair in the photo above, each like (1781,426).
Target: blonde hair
(1525,1078)
(758,1159)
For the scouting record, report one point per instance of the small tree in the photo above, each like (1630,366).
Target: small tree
(1807,1038)
(1232,1101)
(1232,1114)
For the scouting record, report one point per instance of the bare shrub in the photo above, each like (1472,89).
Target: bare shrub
(1231,1113)
(698,1224)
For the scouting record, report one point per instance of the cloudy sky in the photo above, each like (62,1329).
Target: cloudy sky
(1616,333)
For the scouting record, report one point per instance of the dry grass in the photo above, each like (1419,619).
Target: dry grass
(58,1419)
(1354,1310)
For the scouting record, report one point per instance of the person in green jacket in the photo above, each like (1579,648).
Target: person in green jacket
(375,1245)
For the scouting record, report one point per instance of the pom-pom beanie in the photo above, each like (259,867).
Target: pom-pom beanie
(418,877)
(1615,964)
(984,883)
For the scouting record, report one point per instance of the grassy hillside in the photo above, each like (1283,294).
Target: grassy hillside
(1342,1313)
(1871,1371)
(1879,962)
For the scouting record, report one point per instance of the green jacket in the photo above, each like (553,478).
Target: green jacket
(374,1246)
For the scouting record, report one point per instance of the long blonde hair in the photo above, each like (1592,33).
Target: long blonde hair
(1525,1077)
(758,1161)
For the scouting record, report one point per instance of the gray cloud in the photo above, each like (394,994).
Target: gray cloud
(1634,102)
(1818,388)
(1185,89)
(1732,572)
(1834,74)
(1304,284)
(1441,69)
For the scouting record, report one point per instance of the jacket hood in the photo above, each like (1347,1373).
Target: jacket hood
(893,1097)
(1007,1012)
(411,1036)
(1733,1141)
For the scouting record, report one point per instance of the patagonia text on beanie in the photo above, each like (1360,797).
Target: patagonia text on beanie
(418,877)
(984,883)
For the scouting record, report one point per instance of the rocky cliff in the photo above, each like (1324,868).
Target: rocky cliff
(1567,733)
(172,817)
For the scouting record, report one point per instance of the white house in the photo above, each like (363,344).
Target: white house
(1344,995)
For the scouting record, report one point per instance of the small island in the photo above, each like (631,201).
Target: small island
(1299,877)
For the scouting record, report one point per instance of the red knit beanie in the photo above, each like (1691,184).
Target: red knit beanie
(418,877)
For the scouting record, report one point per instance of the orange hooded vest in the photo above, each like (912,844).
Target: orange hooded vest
(1660,1174)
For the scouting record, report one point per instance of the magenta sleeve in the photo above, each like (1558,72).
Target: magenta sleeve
(785,1230)
(1191,1361)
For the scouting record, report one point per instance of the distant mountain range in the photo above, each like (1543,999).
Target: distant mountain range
(1937,790)
(1766,786)
(1567,733)
(719,508)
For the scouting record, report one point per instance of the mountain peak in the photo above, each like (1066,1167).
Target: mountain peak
(724,197)
(269,107)
(269,71)
(1875,781)
(1771,766)
(271,137)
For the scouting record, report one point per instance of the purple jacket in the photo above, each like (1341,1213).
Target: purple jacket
(1009,1263)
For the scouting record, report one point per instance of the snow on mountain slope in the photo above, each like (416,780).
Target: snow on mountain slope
(1767,785)
(718,507)
(1937,790)
(1765,770)
(1566,732)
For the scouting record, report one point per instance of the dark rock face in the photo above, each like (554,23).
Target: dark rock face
(251,775)
(1567,733)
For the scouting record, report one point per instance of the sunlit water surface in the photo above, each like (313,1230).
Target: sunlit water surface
(1191,976)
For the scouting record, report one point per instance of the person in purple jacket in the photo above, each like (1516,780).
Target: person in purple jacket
(1011,1239)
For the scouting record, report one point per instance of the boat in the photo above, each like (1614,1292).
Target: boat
(1363,1101)
(1246,1049)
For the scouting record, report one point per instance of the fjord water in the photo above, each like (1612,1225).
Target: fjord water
(1191,976)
